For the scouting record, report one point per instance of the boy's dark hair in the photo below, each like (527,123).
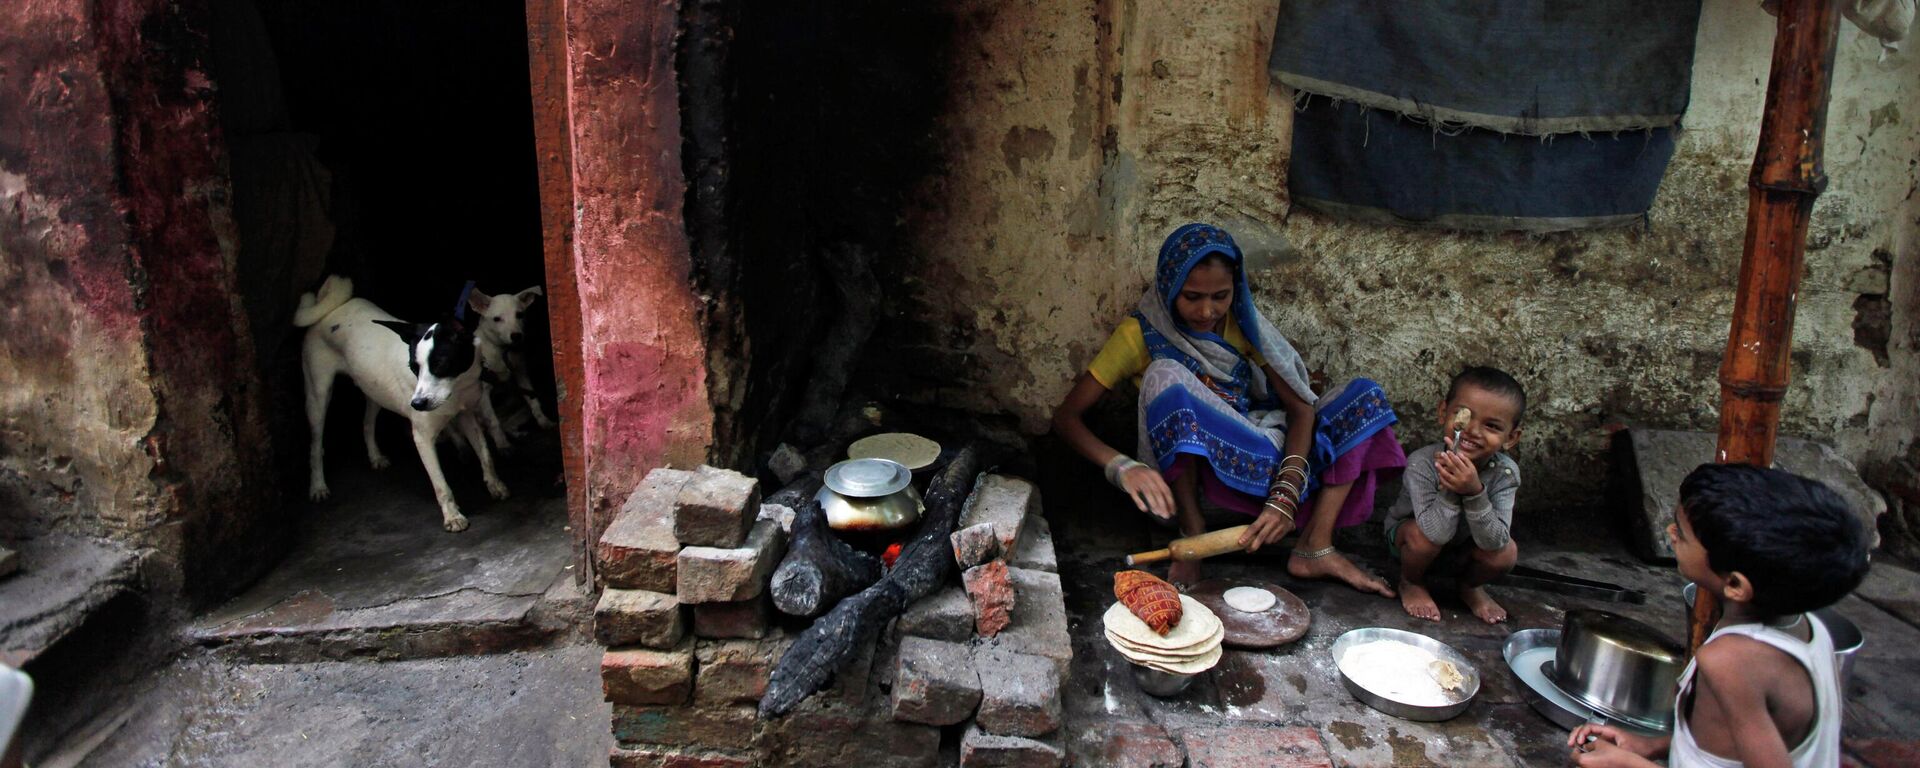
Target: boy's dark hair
(1492,380)
(1794,538)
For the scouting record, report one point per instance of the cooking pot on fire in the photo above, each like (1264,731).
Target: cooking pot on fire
(869,495)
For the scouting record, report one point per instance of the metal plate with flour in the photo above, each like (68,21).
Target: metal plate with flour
(1283,623)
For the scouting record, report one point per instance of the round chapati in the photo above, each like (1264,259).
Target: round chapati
(1249,599)
(1138,653)
(910,450)
(1192,667)
(1197,623)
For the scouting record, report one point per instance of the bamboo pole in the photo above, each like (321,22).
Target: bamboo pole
(1786,179)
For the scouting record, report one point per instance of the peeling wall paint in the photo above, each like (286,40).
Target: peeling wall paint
(1080,132)
(129,394)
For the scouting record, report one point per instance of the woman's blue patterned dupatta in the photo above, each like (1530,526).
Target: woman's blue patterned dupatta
(1202,397)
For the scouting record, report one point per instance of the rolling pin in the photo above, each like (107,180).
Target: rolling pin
(1198,547)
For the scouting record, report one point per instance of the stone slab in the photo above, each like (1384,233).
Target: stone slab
(676,757)
(716,508)
(638,549)
(638,617)
(1650,463)
(1020,693)
(374,576)
(944,615)
(979,749)
(1039,619)
(1035,551)
(934,682)
(63,581)
(1005,502)
(730,575)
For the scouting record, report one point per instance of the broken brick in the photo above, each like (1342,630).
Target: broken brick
(1020,693)
(716,508)
(638,617)
(647,676)
(934,682)
(638,549)
(991,590)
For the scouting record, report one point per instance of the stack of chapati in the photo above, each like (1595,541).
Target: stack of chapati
(1189,647)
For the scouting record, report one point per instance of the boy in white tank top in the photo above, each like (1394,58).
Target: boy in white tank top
(1764,689)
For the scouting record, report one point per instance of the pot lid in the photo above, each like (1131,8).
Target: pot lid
(865,478)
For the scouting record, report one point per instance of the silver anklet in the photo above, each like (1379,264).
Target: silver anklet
(1315,554)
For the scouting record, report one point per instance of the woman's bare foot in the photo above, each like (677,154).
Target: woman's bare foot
(1185,573)
(1334,565)
(1482,605)
(1418,601)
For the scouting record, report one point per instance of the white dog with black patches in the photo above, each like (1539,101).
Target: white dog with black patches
(502,331)
(427,372)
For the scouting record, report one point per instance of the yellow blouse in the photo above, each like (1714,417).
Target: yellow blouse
(1125,356)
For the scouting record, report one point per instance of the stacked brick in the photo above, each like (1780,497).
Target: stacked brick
(687,621)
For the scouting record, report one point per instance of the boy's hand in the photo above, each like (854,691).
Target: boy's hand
(1604,754)
(1149,491)
(1607,740)
(1457,473)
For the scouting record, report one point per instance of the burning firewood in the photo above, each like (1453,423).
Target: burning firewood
(924,564)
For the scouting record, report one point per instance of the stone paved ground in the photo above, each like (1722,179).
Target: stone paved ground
(1288,707)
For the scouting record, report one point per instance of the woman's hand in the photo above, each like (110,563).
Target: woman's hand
(1457,473)
(1270,527)
(1149,491)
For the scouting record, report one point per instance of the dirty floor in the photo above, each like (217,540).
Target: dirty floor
(1290,701)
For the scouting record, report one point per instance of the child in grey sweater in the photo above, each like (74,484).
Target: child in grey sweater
(1460,497)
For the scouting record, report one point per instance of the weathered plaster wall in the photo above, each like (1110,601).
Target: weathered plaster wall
(1080,132)
(643,350)
(128,398)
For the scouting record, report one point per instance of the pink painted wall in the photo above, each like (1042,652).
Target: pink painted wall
(643,346)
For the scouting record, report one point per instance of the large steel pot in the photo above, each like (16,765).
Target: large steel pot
(1621,668)
(869,495)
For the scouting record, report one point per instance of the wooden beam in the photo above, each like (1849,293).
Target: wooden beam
(553,147)
(1786,179)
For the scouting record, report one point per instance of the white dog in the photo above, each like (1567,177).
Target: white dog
(429,373)
(502,330)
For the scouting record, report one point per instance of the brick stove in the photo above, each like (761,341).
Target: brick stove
(692,636)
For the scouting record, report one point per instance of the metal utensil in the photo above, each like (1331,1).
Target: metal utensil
(1623,669)
(1158,683)
(1468,688)
(1526,577)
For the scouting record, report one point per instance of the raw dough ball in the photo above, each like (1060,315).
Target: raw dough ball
(1249,599)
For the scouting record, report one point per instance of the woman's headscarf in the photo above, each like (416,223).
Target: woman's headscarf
(1183,249)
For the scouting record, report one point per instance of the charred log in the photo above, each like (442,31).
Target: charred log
(819,569)
(924,564)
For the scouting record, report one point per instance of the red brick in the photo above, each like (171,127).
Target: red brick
(647,676)
(675,757)
(1003,501)
(934,682)
(814,736)
(716,508)
(727,575)
(991,591)
(979,749)
(1020,693)
(638,617)
(638,549)
(1884,753)
(974,545)
(735,671)
(681,726)
(1125,745)
(1251,746)
(747,619)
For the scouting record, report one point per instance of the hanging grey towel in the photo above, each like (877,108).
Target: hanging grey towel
(1485,114)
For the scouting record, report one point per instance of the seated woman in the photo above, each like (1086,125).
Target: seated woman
(1226,412)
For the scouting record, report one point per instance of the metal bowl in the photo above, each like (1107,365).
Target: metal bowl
(1846,635)
(1398,708)
(867,478)
(1161,684)
(891,512)
(1623,669)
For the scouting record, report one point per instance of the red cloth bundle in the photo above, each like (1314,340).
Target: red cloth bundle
(1155,601)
